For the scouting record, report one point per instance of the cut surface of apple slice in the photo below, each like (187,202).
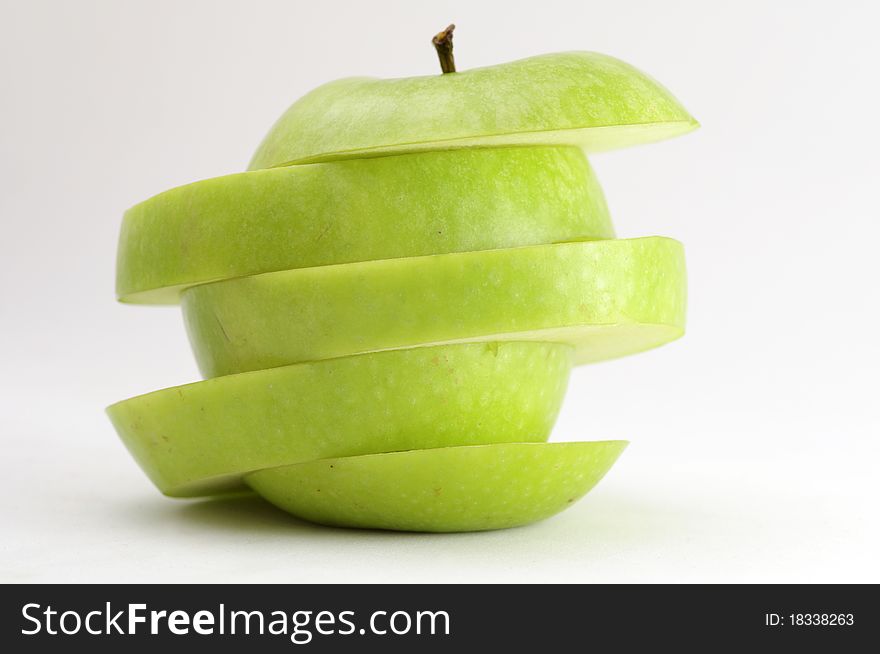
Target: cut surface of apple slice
(359,210)
(199,439)
(574,98)
(470,488)
(607,298)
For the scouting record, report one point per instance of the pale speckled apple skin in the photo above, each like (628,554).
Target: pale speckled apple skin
(608,298)
(199,439)
(358,210)
(472,488)
(576,98)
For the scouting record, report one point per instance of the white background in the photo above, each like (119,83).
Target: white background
(754,440)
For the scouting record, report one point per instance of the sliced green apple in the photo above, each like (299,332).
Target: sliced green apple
(574,98)
(607,298)
(471,488)
(199,439)
(359,210)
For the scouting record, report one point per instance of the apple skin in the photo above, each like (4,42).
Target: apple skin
(607,298)
(573,98)
(358,210)
(473,488)
(199,439)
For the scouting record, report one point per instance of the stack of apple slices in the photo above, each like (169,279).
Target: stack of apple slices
(387,305)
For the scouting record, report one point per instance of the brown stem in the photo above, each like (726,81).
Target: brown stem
(443,43)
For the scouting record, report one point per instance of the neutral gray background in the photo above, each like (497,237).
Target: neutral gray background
(754,439)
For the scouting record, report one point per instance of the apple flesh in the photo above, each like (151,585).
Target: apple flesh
(358,210)
(573,98)
(472,488)
(199,439)
(607,298)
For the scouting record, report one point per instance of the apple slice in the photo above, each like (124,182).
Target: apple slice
(199,439)
(471,488)
(607,298)
(573,98)
(425,203)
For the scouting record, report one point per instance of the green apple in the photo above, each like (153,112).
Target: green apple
(358,210)
(607,298)
(199,439)
(447,489)
(573,98)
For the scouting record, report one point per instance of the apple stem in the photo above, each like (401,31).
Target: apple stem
(443,43)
